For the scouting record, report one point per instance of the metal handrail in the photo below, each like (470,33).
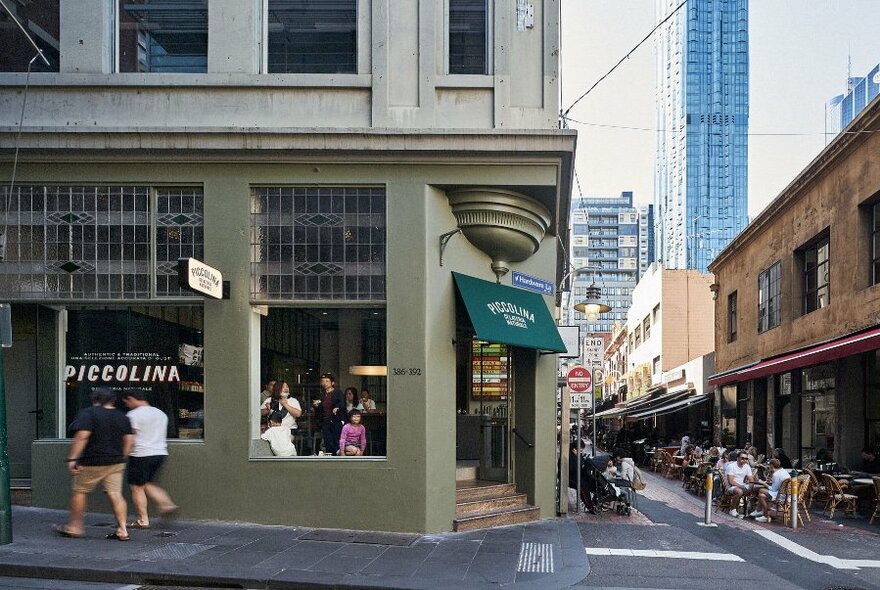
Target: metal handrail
(522,438)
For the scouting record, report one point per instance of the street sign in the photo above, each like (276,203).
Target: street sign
(581,401)
(530,283)
(593,349)
(571,338)
(580,380)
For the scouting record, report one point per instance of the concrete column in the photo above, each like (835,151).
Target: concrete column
(87,41)
(849,434)
(235,36)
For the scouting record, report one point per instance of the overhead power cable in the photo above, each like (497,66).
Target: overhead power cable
(750,134)
(564,115)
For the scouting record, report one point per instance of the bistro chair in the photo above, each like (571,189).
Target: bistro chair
(673,469)
(697,482)
(876,480)
(818,493)
(782,503)
(805,485)
(725,502)
(836,497)
(657,461)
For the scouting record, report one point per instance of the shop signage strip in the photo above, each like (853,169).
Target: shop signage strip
(196,276)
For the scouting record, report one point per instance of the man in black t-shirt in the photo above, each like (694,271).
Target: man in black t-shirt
(102,440)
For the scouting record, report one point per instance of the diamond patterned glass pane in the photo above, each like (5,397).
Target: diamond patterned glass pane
(76,242)
(318,243)
(179,234)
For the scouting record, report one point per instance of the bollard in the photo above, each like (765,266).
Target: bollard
(707,521)
(794,501)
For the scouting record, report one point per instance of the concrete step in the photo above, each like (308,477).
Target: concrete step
(490,505)
(471,491)
(483,520)
(465,472)
(22,493)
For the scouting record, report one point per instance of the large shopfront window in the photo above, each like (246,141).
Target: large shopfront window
(872,401)
(154,349)
(818,413)
(318,271)
(297,347)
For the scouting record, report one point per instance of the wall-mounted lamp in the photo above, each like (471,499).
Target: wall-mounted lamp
(592,306)
(368,370)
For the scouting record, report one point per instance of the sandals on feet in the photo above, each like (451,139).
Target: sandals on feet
(115,537)
(65,532)
(136,524)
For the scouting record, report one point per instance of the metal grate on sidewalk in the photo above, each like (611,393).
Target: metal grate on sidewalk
(536,558)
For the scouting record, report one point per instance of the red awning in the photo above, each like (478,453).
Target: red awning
(814,355)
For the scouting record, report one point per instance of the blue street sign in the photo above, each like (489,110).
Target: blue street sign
(530,283)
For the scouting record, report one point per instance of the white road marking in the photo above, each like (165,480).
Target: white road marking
(664,554)
(536,557)
(801,551)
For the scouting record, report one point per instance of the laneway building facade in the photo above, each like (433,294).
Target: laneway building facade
(324,157)
(797,337)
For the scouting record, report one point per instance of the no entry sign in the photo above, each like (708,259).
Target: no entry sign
(579,380)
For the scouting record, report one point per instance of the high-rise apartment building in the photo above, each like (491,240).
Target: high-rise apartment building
(703,113)
(843,108)
(613,238)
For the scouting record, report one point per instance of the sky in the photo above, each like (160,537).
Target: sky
(798,56)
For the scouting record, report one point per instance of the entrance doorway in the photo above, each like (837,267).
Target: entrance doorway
(484,402)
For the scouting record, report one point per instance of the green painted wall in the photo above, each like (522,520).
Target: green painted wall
(414,488)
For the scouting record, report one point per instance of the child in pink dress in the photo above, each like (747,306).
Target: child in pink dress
(353,440)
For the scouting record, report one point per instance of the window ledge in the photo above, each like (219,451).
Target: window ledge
(465,81)
(191,80)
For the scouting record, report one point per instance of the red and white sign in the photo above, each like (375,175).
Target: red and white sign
(579,380)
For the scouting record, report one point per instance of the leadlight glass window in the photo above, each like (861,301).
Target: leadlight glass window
(468,39)
(318,243)
(769,297)
(95,242)
(163,36)
(817,288)
(179,234)
(312,37)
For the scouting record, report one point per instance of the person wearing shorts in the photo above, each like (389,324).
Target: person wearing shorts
(150,426)
(102,439)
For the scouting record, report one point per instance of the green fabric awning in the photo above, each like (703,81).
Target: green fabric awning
(505,315)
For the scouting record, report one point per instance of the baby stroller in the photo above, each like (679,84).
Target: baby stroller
(596,491)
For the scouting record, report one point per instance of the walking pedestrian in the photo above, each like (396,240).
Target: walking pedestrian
(150,426)
(102,439)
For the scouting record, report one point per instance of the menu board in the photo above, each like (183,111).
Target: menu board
(489,377)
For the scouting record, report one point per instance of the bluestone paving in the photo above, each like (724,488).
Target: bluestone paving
(278,557)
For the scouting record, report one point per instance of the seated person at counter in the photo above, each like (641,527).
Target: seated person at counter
(353,440)
(870,461)
(366,402)
(739,477)
(279,438)
(767,495)
(282,402)
(351,402)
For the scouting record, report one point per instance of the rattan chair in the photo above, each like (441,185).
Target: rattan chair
(697,481)
(836,497)
(782,503)
(818,493)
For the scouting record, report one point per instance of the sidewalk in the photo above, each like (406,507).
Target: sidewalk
(543,554)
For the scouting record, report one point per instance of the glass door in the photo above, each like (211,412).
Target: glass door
(491,396)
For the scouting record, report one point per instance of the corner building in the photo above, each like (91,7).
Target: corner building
(323,157)
(797,339)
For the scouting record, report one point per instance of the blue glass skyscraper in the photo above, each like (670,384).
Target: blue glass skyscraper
(842,109)
(700,183)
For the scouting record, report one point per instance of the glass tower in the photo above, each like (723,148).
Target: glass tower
(611,237)
(700,182)
(842,109)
